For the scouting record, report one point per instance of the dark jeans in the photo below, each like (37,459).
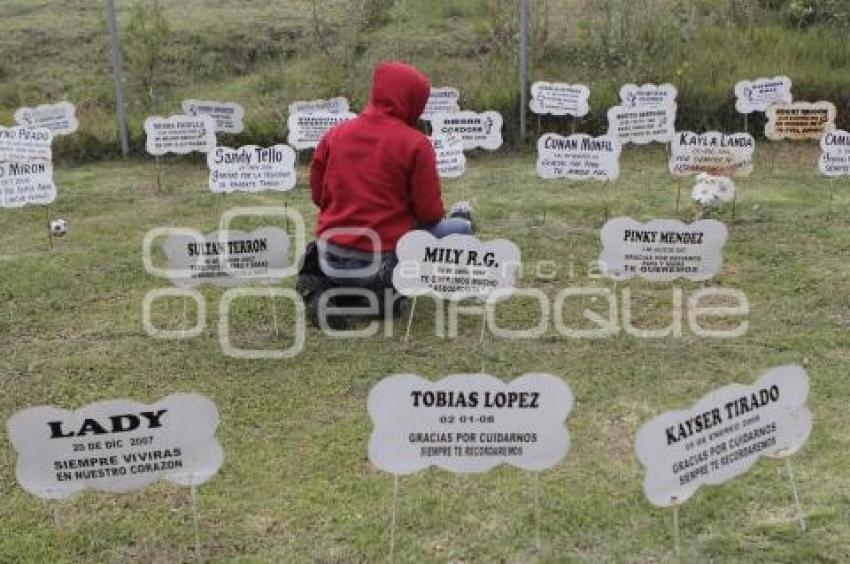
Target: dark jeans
(345,263)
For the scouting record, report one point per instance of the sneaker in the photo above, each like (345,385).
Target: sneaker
(462,210)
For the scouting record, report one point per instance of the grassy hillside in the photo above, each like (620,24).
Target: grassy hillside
(297,486)
(267,54)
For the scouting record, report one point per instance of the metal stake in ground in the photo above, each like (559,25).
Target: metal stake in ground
(734,203)
(678,193)
(538,544)
(409,321)
(274,314)
(481,338)
(195,529)
(800,514)
(159,175)
(831,191)
(185,315)
(677,549)
(47,223)
(220,206)
(393,518)
(776,148)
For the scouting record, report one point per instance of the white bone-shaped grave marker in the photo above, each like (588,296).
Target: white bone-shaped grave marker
(60,118)
(835,158)
(578,157)
(455,267)
(468,422)
(251,169)
(116,445)
(648,96)
(724,434)
(719,154)
(227,258)
(646,114)
(26,184)
(559,99)
(307,129)
(476,130)
(338,105)
(451,161)
(799,120)
(759,94)
(642,125)
(228,116)
(179,134)
(22,144)
(442,100)
(662,249)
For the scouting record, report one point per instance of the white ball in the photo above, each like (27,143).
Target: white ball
(58,227)
(704,194)
(711,191)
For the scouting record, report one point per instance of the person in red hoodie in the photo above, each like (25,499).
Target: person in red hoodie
(374,178)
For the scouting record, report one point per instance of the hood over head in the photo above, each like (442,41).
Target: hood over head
(399,90)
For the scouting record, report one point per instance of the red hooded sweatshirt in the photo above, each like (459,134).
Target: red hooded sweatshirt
(377,171)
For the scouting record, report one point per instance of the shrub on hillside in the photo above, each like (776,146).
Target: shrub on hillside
(146,48)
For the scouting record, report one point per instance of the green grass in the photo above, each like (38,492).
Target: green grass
(297,485)
(265,55)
